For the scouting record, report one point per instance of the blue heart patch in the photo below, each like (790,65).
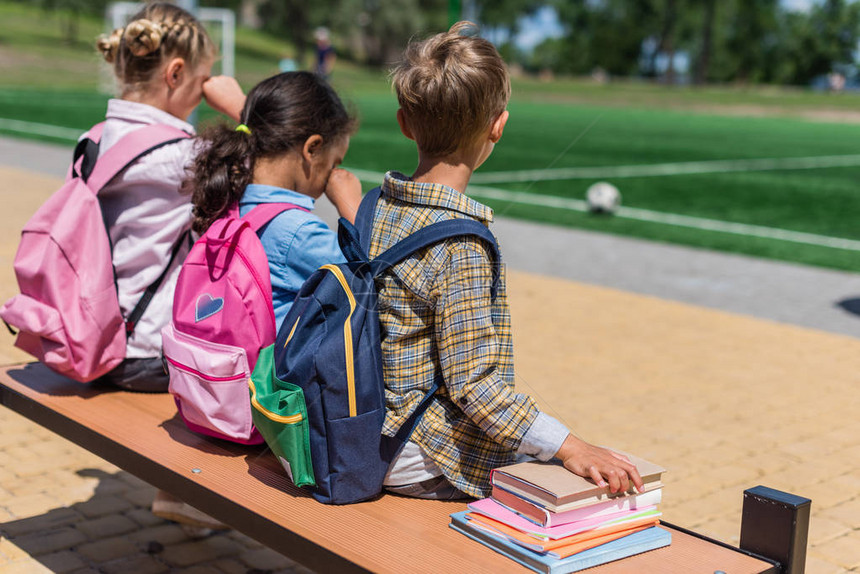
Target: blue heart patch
(206,306)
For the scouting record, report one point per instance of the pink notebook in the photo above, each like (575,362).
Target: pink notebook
(491,508)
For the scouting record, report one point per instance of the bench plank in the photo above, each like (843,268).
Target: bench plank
(246,488)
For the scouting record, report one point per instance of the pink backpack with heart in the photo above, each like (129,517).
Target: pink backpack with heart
(68,314)
(222,317)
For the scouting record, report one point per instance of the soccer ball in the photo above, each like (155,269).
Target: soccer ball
(603,197)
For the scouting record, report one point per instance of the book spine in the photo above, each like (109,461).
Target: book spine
(527,509)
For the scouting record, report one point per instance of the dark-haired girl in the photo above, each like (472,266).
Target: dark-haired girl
(294,133)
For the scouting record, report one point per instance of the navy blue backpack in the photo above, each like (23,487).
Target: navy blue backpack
(329,348)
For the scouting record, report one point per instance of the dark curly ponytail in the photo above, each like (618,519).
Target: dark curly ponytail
(221,173)
(281,113)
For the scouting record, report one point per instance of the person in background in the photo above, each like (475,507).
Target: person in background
(324,55)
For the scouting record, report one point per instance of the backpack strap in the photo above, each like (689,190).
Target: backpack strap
(86,153)
(355,239)
(266,212)
(364,217)
(97,172)
(129,149)
(435,233)
(405,431)
(143,303)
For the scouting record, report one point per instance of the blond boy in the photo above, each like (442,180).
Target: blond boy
(438,319)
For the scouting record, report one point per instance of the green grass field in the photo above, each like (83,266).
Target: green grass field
(563,124)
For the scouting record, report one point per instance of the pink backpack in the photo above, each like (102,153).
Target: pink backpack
(222,318)
(68,313)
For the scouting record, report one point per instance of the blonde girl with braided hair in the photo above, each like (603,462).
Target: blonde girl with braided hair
(162,61)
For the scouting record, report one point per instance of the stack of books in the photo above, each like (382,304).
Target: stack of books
(551,520)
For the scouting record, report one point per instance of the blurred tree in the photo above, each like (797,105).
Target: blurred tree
(606,34)
(703,62)
(297,19)
(753,24)
(379,29)
(833,36)
(666,44)
(504,14)
(68,12)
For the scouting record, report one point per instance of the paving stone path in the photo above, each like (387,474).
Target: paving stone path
(644,347)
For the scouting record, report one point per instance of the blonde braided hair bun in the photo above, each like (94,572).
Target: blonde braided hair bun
(143,37)
(108,45)
(159,31)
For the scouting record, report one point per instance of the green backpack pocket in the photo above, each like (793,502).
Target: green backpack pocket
(280,414)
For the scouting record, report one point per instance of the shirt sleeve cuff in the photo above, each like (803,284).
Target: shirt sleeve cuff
(544,437)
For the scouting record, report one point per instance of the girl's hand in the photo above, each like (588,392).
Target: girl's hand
(224,95)
(599,464)
(344,191)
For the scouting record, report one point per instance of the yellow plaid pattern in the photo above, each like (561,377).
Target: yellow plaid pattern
(438,322)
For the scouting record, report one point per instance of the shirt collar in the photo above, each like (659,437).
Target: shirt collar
(137,112)
(257,193)
(401,187)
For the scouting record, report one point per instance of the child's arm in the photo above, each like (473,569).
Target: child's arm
(598,463)
(344,191)
(476,362)
(472,359)
(224,95)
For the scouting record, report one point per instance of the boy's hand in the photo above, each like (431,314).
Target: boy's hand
(224,95)
(344,191)
(599,464)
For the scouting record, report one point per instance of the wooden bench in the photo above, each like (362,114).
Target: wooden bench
(246,488)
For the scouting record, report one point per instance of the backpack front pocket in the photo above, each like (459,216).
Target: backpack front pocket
(209,382)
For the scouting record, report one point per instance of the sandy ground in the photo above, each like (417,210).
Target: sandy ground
(723,400)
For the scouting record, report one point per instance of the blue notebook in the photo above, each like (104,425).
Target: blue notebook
(636,543)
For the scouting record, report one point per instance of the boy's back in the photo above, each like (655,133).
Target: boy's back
(439,321)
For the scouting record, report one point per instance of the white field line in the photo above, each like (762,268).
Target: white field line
(555,202)
(579,205)
(40,129)
(663,169)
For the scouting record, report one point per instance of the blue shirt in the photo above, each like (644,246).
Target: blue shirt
(296,243)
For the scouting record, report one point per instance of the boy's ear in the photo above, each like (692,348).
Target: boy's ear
(404,127)
(174,72)
(498,127)
(312,146)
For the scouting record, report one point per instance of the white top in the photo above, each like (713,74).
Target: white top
(541,441)
(146,213)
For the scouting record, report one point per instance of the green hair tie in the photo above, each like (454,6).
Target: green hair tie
(243,128)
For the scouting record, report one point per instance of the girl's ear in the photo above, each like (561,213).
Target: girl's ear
(174,72)
(312,147)
(498,127)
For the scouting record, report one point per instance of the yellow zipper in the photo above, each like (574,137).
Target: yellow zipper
(292,331)
(289,419)
(347,337)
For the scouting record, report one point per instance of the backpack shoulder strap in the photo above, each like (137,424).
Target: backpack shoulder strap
(149,293)
(364,217)
(433,234)
(265,212)
(86,153)
(129,149)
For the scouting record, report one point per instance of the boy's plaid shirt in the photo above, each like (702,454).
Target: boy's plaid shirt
(438,321)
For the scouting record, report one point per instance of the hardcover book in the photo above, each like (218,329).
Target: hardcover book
(557,489)
(492,509)
(547,519)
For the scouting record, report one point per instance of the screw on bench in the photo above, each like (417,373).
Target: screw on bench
(196,470)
